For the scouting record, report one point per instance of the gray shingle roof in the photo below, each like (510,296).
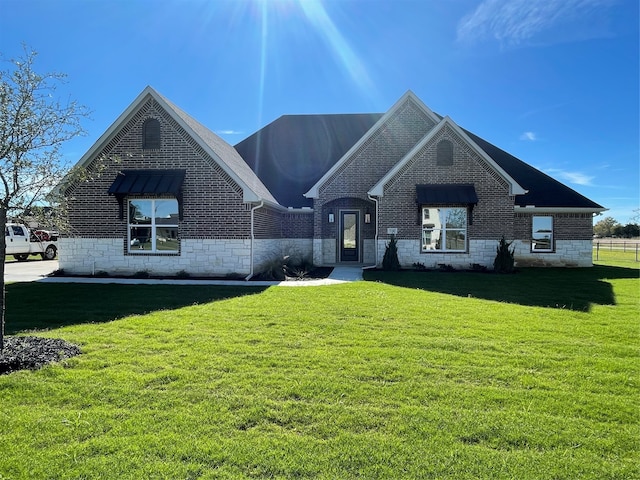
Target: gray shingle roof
(293,152)
(225,152)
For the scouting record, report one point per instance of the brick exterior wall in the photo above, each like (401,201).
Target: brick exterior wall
(212,206)
(375,157)
(491,218)
(215,230)
(348,186)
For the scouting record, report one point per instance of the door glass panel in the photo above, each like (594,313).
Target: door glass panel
(349,233)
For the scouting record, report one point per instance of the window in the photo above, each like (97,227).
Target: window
(444,229)
(542,234)
(153,226)
(151,134)
(17,231)
(444,153)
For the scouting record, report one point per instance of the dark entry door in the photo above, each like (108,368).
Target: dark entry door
(349,236)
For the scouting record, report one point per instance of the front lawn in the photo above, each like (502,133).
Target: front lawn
(413,375)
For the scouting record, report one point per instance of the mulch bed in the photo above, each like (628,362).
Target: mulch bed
(32,353)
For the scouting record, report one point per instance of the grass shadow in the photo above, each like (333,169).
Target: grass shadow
(575,289)
(42,306)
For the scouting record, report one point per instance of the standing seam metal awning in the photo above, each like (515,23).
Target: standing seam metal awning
(148,182)
(446,194)
(142,182)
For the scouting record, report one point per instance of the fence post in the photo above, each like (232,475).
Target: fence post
(597,251)
(636,252)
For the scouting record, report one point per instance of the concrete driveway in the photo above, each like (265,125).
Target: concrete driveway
(29,271)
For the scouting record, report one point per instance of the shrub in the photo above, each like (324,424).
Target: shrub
(282,265)
(273,269)
(390,260)
(419,267)
(183,274)
(141,274)
(504,261)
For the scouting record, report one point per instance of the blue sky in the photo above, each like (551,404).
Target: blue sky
(554,82)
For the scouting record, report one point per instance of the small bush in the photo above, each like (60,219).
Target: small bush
(504,261)
(141,274)
(183,274)
(419,267)
(280,266)
(101,274)
(390,260)
(445,267)
(273,269)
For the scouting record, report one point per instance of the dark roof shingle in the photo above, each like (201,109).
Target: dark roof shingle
(293,152)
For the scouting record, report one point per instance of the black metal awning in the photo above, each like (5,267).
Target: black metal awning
(145,182)
(148,182)
(446,194)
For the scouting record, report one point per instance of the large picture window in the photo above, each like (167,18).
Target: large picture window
(444,229)
(542,234)
(153,226)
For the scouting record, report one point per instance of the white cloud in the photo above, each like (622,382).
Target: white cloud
(529,136)
(517,22)
(577,178)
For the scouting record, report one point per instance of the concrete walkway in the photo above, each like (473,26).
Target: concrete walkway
(339,275)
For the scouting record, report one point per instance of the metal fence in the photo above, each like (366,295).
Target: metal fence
(619,245)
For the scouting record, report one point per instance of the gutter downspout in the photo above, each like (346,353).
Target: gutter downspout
(253,237)
(375,265)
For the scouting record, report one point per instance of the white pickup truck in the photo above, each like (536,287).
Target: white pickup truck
(22,242)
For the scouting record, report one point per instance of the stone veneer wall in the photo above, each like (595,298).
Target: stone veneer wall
(568,253)
(481,252)
(198,257)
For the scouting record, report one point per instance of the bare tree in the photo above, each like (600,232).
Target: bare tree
(34,123)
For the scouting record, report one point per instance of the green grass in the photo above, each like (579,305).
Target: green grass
(413,375)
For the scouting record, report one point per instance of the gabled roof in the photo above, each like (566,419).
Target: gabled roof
(293,152)
(514,187)
(407,97)
(221,152)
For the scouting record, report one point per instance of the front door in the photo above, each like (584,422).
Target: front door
(349,236)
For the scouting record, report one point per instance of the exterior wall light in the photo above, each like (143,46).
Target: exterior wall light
(367,216)
(331,217)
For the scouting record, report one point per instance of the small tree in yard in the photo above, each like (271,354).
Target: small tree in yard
(504,261)
(390,260)
(33,126)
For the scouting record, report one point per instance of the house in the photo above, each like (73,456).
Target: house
(334,188)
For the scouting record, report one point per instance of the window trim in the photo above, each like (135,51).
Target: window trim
(153,226)
(443,229)
(552,244)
